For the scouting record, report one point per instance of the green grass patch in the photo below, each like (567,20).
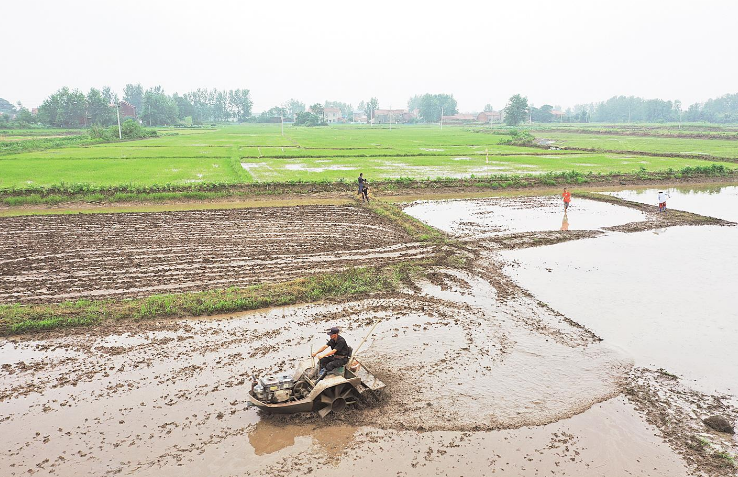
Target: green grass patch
(15,319)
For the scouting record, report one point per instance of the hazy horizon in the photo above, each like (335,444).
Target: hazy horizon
(560,54)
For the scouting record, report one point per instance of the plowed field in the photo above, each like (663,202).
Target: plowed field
(61,257)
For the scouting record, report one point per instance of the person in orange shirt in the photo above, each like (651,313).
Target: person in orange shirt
(567,198)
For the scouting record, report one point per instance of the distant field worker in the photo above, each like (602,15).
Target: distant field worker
(662,200)
(567,198)
(363,192)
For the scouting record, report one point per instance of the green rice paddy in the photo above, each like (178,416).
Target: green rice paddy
(260,153)
(669,145)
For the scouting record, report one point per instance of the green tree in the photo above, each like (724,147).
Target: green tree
(308,119)
(543,114)
(318,110)
(185,109)
(109,95)
(432,106)
(133,94)
(369,108)
(488,107)
(99,110)
(414,103)
(516,110)
(158,109)
(240,104)
(6,107)
(24,116)
(65,108)
(294,107)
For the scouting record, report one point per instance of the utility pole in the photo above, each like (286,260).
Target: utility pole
(390,113)
(281,120)
(441,117)
(117,110)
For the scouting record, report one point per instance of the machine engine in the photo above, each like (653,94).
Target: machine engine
(274,388)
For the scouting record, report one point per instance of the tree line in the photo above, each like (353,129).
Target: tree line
(72,108)
(154,107)
(626,109)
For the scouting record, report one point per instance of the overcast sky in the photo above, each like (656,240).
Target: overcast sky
(555,52)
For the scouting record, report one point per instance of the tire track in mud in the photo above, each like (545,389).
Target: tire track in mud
(54,258)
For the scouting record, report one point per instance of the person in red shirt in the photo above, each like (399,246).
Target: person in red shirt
(567,198)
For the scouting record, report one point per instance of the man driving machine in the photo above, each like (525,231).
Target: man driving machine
(335,358)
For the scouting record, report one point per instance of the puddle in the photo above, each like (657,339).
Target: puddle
(665,296)
(125,339)
(267,437)
(494,216)
(609,440)
(305,168)
(713,201)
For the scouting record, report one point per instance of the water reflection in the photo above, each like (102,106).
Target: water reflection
(267,437)
(713,201)
(565,223)
(494,216)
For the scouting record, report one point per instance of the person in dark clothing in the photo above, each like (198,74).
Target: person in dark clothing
(335,358)
(363,189)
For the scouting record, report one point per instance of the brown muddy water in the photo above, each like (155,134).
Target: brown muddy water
(458,362)
(494,216)
(481,379)
(713,201)
(665,296)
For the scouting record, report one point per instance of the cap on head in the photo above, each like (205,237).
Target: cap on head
(333,331)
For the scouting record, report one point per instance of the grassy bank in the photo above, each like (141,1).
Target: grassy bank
(16,319)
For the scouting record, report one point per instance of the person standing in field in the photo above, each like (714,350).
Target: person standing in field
(662,200)
(567,198)
(362,188)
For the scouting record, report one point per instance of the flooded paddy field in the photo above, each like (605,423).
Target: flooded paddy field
(716,201)
(459,364)
(663,295)
(494,216)
(487,370)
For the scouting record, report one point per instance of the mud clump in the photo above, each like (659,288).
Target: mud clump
(720,424)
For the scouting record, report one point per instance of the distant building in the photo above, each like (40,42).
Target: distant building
(558,115)
(385,116)
(359,117)
(459,119)
(127,110)
(34,111)
(332,115)
(489,117)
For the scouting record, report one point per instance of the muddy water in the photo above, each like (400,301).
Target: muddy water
(493,216)
(608,440)
(456,360)
(664,296)
(713,201)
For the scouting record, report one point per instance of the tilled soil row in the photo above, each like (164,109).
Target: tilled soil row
(54,258)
